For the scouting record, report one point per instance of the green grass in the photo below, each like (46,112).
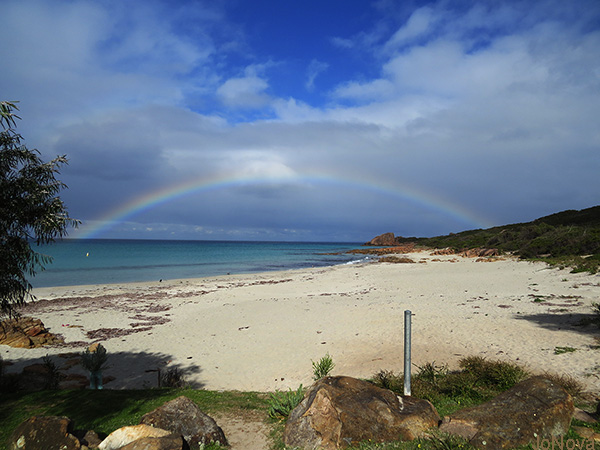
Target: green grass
(322,367)
(104,411)
(561,350)
(282,403)
(107,410)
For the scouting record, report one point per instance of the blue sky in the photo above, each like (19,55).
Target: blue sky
(316,120)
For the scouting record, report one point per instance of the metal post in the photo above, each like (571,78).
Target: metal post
(407,363)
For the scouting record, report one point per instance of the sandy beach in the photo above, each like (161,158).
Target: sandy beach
(260,332)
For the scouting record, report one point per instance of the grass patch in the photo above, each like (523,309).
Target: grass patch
(478,380)
(104,411)
(561,350)
(322,367)
(281,403)
(107,410)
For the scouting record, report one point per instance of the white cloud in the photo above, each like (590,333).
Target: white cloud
(244,92)
(487,107)
(419,24)
(315,68)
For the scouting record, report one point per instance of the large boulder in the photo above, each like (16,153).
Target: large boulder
(383,239)
(126,435)
(534,409)
(26,332)
(44,432)
(339,411)
(183,416)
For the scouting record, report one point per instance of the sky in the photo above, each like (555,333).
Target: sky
(328,120)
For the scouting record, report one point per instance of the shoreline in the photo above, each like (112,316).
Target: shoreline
(260,331)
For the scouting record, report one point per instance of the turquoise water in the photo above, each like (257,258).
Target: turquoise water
(95,261)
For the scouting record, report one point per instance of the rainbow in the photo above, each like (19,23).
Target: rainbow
(156,198)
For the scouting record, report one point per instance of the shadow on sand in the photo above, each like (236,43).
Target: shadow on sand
(583,323)
(134,394)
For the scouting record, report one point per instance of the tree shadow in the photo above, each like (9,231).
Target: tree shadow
(130,389)
(580,322)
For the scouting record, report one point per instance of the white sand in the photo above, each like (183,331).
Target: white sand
(260,332)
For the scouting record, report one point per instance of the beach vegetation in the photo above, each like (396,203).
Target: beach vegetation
(561,350)
(282,403)
(323,367)
(173,377)
(53,374)
(94,360)
(478,380)
(107,410)
(565,239)
(31,212)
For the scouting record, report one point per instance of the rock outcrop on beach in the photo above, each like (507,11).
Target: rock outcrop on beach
(383,239)
(26,332)
(534,409)
(339,411)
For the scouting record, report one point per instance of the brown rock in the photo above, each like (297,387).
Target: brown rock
(36,377)
(74,381)
(90,439)
(444,251)
(39,432)
(170,442)
(480,252)
(26,332)
(587,433)
(123,436)
(383,239)
(535,408)
(584,416)
(183,416)
(339,411)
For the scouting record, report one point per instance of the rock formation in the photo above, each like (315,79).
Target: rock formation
(26,332)
(383,240)
(535,408)
(44,432)
(183,416)
(339,411)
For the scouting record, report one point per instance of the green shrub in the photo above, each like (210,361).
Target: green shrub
(281,403)
(172,378)
(53,375)
(561,350)
(500,374)
(386,379)
(323,367)
(431,372)
(94,361)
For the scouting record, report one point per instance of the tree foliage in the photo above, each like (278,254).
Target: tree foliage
(31,212)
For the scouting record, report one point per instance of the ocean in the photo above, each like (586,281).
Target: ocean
(101,261)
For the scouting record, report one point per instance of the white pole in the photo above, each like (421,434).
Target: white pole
(407,363)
